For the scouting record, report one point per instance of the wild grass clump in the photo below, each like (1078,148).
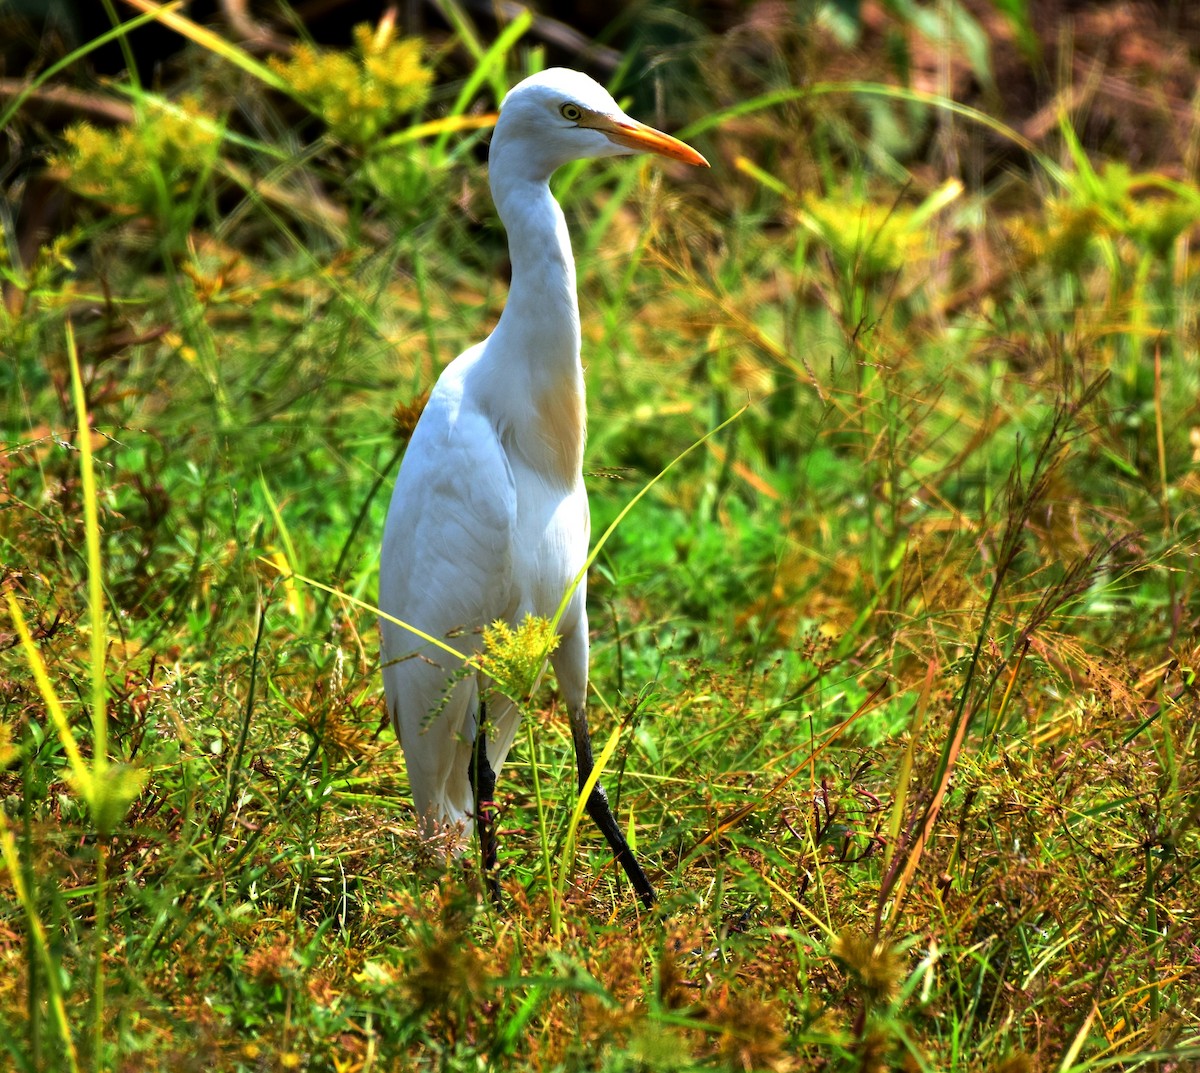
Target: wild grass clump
(359,94)
(145,166)
(892,458)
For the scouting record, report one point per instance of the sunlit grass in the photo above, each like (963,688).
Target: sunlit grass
(893,622)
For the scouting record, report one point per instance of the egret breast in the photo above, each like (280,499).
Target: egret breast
(559,427)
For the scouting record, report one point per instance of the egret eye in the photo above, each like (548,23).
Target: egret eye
(572,112)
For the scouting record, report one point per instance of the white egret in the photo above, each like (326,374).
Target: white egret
(489,517)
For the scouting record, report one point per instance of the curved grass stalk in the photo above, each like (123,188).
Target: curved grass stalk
(365,606)
(562,607)
(878,89)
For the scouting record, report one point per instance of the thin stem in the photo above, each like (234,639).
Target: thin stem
(101,923)
(543,831)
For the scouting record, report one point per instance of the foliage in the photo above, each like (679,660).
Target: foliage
(894,609)
(359,95)
(144,166)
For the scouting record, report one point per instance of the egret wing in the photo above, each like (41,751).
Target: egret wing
(447,570)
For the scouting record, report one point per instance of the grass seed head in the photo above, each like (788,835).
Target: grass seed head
(876,967)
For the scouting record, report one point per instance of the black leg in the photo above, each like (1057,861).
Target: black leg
(601,814)
(483,786)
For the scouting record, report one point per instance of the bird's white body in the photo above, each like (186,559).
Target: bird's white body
(489,517)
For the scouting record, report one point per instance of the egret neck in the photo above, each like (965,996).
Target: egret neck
(540,322)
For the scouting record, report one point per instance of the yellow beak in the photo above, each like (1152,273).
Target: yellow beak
(635,135)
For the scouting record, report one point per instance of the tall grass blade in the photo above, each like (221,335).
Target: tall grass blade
(295,602)
(566,863)
(489,67)
(91,530)
(80,773)
(214,43)
(37,936)
(904,774)
(105,800)
(72,57)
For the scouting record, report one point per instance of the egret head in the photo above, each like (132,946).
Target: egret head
(561,115)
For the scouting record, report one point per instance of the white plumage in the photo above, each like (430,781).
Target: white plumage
(489,517)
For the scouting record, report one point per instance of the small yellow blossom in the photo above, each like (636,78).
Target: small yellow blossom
(514,659)
(358,94)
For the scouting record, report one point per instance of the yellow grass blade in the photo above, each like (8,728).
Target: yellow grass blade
(169,16)
(91,530)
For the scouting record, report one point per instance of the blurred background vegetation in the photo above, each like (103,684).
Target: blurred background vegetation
(902,660)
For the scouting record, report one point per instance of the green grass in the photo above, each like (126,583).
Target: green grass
(902,660)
